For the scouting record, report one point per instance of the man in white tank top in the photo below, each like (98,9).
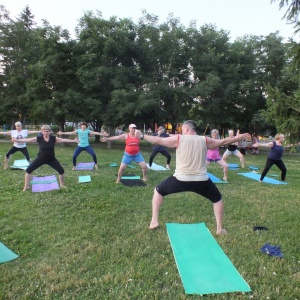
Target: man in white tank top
(190,173)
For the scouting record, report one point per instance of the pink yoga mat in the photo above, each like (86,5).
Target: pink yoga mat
(44,184)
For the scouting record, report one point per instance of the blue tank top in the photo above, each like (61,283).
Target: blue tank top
(276,152)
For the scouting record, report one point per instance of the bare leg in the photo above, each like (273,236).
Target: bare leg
(6,161)
(121,171)
(27,181)
(144,170)
(225,168)
(219,211)
(157,200)
(62,181)
(241,157)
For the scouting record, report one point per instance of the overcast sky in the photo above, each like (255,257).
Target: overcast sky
(238,17)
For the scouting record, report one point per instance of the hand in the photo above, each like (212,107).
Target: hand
(103,139)
(138,134)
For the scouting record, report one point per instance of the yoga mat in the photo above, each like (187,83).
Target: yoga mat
(6,254)
(113,164)
(85,166)
(215,179)
(131,166)
(233,166)
(132,180)
(20,164)
(44,184)
(256,177)
(253,168)
(84,179)
(131,177)
(203,266)
(156,167)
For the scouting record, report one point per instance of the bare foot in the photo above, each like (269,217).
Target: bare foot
(63,187)
(96,167)
(225,179)
(118,181)
(74,168)
(145,179)
(222,232)
(153,225)
(25,189)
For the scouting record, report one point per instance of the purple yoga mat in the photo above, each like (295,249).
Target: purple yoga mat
(44,184)
(85,166)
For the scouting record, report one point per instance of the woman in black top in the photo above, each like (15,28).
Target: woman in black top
(46,154)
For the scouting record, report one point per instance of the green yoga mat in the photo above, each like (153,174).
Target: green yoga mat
(203,266)
(6,254)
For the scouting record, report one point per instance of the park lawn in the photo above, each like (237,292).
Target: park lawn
(91,241)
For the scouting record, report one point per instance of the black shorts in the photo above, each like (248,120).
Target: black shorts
(206,188)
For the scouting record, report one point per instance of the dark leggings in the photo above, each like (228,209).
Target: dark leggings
(269,164)
(88,149)
(15,149)
(54,163)
(165,153)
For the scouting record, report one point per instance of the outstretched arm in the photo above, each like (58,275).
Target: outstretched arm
(269,145)
(5,132)
(66,133)
(112,138)
(61,140)
(27,140)
(214,143)
(170,142)
(99,133)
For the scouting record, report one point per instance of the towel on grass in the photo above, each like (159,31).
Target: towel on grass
(156,167)
(44,184)
(20,164)
(85,166)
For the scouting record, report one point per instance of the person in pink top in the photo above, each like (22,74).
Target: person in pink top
(131,153)
(213,155)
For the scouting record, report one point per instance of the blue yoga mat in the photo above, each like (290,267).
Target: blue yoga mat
(215,179)
(203,266)
(233,166)
(6,254)
(256,177)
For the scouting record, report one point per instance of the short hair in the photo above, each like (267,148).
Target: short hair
(45,127)
(215,131)
(18,123)
(84,123)
(191,124)
(278,136)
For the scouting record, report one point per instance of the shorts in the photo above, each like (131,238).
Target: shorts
(213,160)
(172,185)
(127,158)
(228,152)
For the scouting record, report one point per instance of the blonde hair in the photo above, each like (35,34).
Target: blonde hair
(215,131)
(18,123)
(278,136)
(45,127)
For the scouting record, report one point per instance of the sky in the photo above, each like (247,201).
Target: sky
(238,17)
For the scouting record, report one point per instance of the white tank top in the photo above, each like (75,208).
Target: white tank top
(191,158)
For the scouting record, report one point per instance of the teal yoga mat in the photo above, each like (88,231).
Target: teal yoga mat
(6,254)
(21,164)
(256,177)
(203,266)
(84,179)
(215,179)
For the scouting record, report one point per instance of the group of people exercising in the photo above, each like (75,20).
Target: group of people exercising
(193,154)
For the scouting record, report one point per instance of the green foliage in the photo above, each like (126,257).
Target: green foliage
(91,241)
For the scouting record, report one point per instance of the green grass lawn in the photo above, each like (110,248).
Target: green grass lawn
(91,241)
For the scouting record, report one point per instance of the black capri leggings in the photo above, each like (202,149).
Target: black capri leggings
(270,162)
(54,163)
(15,149)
